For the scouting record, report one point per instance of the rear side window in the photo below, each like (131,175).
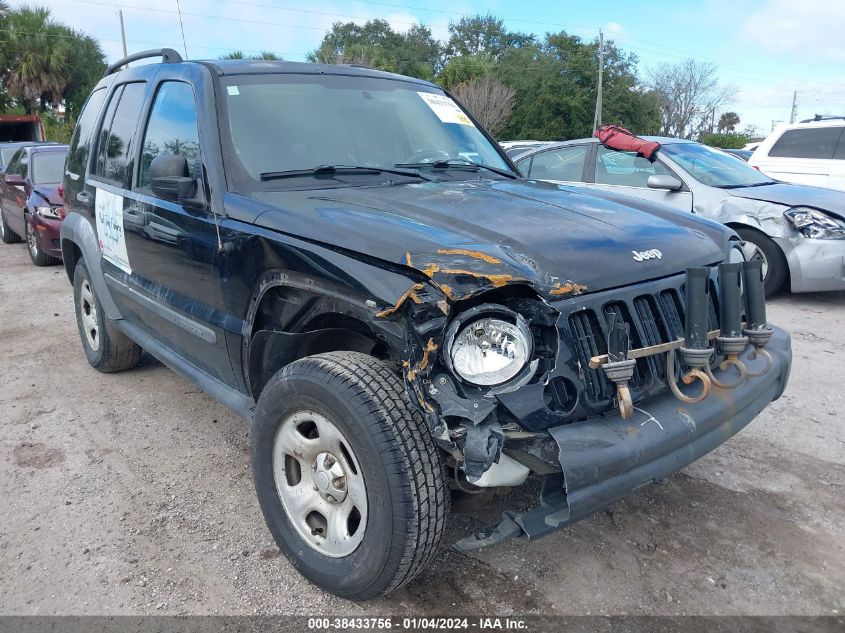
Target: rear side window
(83,134)
(172,129)
(565,164)
(807,143)
(113,153)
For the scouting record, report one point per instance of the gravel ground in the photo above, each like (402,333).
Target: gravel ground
(132,494)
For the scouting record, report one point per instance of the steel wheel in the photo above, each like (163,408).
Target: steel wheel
(88,314)
(753,253)
(2,225)
(31,240)
(320,483)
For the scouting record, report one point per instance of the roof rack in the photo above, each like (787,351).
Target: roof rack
(168,56)
(822,117)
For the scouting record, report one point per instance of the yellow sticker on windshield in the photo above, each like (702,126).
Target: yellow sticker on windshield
(446,110)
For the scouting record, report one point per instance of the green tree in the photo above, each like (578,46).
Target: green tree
(465,68)
(556,82)
(377,45)
(264,55)
(479,35)
(35,68)
(86,64)
(43,62)
(725,140)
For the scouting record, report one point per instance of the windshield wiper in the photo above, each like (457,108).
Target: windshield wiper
(332,170)
(756,184)
(458,163)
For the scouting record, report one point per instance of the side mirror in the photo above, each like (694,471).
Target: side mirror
(170,178)
(670,183)
(15,180)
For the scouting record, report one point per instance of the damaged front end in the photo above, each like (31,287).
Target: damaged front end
(594,393)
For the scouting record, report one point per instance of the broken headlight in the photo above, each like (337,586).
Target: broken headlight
(816,224)
(489,350)
(53,213)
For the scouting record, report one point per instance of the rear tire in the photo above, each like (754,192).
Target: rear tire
(6,234)
(107,349)
(776,269)
(382,439)
(36,252)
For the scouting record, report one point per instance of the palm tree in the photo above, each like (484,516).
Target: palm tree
(728,122)
(35,54)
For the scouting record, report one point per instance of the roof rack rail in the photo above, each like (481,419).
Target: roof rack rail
(168,56)
(822,117)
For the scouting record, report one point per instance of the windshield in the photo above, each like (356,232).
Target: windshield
(713,167)
(289,123)
(48,167)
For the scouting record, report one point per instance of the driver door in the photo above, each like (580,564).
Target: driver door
(14,196)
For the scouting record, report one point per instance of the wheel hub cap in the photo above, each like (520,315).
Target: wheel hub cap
(329,478)
(320,483)
(31,241)
(88,316)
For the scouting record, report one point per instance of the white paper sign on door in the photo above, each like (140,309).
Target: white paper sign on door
(108,208)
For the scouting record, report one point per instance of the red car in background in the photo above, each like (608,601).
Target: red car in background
(30,203)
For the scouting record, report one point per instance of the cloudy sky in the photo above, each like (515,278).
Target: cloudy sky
(765,48)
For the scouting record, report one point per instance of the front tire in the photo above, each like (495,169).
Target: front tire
(775,267)
(107,349)
(348,477)
(36,253)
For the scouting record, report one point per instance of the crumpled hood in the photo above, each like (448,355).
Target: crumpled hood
(559,239)
(50,193)
(796,196)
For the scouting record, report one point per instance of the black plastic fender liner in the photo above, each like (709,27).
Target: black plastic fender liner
(605,457)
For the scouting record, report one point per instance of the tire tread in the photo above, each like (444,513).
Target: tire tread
(378,394)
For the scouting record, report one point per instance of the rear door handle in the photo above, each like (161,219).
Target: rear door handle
(85,198)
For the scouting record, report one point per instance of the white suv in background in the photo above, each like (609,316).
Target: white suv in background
(808,153)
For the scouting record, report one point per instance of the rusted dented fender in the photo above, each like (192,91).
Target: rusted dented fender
(605,458)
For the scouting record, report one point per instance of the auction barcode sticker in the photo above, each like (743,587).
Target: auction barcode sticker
(446,110)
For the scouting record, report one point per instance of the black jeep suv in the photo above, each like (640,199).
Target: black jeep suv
(347,260)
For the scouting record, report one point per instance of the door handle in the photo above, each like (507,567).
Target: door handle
(85,198)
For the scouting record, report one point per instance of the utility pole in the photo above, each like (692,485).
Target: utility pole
(182,28)
(794,107)
(597,117)
(122,33)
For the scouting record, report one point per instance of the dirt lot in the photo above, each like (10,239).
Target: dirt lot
(132,494)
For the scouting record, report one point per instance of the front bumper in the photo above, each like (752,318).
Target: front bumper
(604,458)
(48,231)
(814,265)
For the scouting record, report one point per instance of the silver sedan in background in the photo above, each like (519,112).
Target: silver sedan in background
(797,231)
